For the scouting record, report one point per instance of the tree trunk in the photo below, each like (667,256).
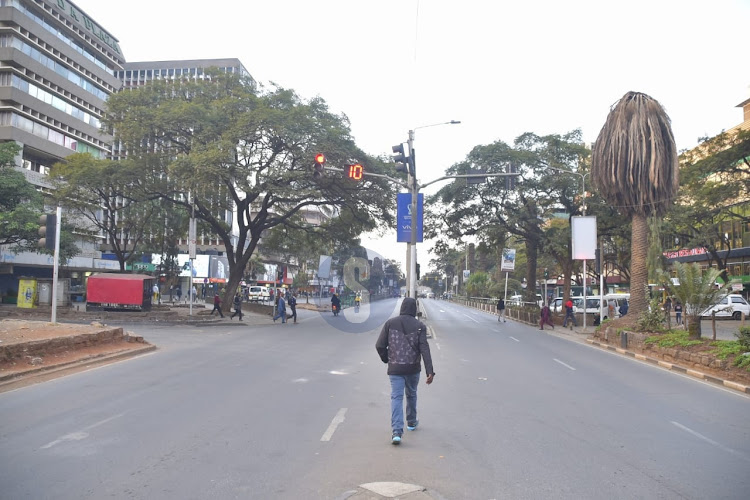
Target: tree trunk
(693,326)
(531,260)
(639,266)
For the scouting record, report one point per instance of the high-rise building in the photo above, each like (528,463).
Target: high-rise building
(57,69)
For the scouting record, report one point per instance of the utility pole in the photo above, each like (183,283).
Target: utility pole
(414,218)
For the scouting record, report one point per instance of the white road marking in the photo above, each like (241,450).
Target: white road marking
(710,441)
(513,338)
(564,364)
(79,435)
(442,311)
(475,321)
(336,372)
(438,345)
(339,418)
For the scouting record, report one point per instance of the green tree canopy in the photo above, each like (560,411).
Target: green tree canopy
(243,157)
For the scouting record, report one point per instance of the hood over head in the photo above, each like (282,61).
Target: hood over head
(409,306)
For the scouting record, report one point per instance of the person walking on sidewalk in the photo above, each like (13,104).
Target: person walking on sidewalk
(293,306)
(280,309)
(569,315)
(546,317)
(237,306)
(217,306)
(501,310)
(403,345)
(678,312)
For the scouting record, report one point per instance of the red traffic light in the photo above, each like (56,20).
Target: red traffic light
(320,158)
(355,172)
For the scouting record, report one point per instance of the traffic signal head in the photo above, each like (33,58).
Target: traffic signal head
(355,172)
(402,163)
(47,230)
(320,160)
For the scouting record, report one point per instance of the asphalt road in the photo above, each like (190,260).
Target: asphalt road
(302,411)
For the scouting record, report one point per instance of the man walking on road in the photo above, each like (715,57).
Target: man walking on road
(501,310)
(217,306)
(403,345)
(569,314)
(237,306)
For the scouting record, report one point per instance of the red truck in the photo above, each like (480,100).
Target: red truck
(111,291)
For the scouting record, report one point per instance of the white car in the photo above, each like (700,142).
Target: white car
(258,293)
(731,306)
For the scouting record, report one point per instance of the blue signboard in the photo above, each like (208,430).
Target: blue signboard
(403,202)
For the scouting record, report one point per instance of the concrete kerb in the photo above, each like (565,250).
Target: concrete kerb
(576,332)
(6,381)
(673,367)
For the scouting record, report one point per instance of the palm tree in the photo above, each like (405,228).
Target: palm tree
(634,167)
(697,291)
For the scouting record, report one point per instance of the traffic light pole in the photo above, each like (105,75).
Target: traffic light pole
(56,266)
(413,223)
(413,187)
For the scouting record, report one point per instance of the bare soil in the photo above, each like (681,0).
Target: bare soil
(15,331)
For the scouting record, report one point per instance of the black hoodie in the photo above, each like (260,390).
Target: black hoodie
(403,342)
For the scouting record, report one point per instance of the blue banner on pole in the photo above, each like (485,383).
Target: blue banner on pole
(404,219)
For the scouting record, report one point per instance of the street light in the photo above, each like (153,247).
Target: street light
(412,181)
(583,183)
(601,276)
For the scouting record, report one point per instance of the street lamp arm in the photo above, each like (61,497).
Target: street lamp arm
(452,122)
(466,176)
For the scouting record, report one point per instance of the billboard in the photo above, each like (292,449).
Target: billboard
(509,260)
(584,237)
(404,217)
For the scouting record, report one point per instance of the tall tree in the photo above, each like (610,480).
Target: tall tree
(714,193)
(519,207)
(634,167)
(20,204)
(104,196)
(243,158)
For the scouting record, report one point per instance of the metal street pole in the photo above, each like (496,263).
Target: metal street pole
(414,218)
(56,266)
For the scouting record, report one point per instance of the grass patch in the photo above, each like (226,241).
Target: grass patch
(672,338)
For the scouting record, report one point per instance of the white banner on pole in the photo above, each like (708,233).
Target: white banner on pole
(324,267)
(509,260)
(584,237)
(192,238)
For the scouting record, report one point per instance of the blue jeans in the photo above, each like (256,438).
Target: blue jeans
(399,385)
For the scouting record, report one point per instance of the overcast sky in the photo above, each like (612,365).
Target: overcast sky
(502,68)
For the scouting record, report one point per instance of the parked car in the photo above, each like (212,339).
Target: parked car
(517,300)
(258,293)
(557,304)
(730,306)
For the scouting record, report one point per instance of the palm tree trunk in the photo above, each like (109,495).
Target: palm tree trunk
(638,266)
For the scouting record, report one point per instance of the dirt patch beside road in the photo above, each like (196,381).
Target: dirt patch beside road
(34,348)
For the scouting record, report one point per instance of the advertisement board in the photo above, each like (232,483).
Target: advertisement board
(509,259)
(404,217)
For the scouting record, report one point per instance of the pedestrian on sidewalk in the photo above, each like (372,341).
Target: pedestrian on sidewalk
(403,345)
(156,294)
(678,312)
(280,309)
(179,294)
(569,314)
(546,317)
(237,306)
(217,306)
(293,306)
(501,310)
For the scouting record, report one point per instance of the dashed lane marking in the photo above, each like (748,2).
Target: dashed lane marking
(339,418)
(564,364)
